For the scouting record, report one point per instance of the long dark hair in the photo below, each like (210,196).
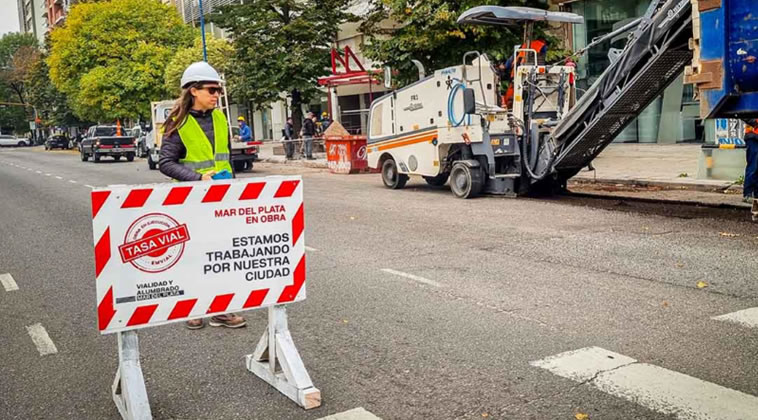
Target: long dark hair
(178,115)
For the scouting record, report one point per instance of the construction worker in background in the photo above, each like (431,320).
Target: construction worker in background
(307,132)
(245,133)
(508,68)
(325,121)
(750,184)
(196,145)
(288,134)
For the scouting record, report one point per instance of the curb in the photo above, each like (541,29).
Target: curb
(717,186)
(305,163)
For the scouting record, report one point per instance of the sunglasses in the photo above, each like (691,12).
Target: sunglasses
(213,90)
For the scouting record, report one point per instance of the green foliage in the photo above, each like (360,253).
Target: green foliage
(282,46)
(399,31)
(51,105)
(110,57)
(220,53)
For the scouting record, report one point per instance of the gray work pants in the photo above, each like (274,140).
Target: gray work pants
(308,146)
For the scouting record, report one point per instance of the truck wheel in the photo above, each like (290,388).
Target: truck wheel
(96,157)
(466,182)
(83,155)
(151,163)
(239,165)
(130,157)
(437,181)
(391,177)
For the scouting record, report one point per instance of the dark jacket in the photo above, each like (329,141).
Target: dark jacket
(309,127)
(289,131)
(172,150)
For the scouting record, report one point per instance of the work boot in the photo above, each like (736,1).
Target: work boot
(754,210)
(227,320)
(195,324)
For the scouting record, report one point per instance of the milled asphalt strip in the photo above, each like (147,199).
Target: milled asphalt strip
(412,277)
(8,283)
(656,388)
(745,317)
(359,413)
(40,338)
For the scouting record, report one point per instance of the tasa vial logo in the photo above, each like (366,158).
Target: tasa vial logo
(154,243)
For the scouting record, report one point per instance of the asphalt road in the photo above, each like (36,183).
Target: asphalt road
(419,305)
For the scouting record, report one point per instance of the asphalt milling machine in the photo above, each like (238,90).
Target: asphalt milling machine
(452,126)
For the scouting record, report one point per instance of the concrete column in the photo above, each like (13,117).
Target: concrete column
(670,126)
(258,125)
(335,106)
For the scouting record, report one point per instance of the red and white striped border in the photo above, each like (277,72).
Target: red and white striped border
(273,187)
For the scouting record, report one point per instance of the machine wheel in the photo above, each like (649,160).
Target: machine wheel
(96,157)
(83,155)
(117,158)
(466,182)
(130,157)
(150,162)
(438,180)
(391,177)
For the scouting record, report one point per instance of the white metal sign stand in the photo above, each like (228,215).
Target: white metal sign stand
(128,388)
(276,349)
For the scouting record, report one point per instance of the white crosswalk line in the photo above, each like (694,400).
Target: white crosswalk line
(745,317)
(412,277)
(359,413)
(8,283)
(656,388)
(40,338)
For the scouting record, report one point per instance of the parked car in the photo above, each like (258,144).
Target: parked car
(57,142)
(11,140)
(101,140)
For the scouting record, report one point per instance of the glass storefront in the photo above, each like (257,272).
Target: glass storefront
(672,117)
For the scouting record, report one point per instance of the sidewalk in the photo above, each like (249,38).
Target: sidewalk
(657,172)
(640,171)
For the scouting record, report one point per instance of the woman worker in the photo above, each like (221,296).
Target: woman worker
(196,145)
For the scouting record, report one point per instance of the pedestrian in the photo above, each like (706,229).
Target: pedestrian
(196,145)
(309,130)
(750,183)
(289,133)
(245,133)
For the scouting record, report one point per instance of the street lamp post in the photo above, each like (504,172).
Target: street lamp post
(202,30)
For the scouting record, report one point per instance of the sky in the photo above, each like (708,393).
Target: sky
(8,16)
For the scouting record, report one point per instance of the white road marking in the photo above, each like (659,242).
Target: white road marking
(656,388)
(89,186)
(58,177)
(359,413)
(29,169)
(48,174)
(72,181)
(307,248)
(8,283)
(39,172)
(43,342)
(412,277)
(746,317)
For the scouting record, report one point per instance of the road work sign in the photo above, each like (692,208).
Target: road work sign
(171,252)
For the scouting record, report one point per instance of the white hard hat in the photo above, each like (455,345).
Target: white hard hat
(200,72)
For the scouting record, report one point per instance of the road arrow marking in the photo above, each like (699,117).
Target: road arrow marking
(8,283)
(40,338)
(656,388)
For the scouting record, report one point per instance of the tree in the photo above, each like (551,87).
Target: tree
(220,53)
(110,57)
(51,104)
(282,46)
(16,52)
(400,30)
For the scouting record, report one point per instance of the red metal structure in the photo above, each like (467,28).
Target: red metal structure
(350,76)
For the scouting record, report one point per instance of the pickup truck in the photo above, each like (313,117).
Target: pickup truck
(101,140)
